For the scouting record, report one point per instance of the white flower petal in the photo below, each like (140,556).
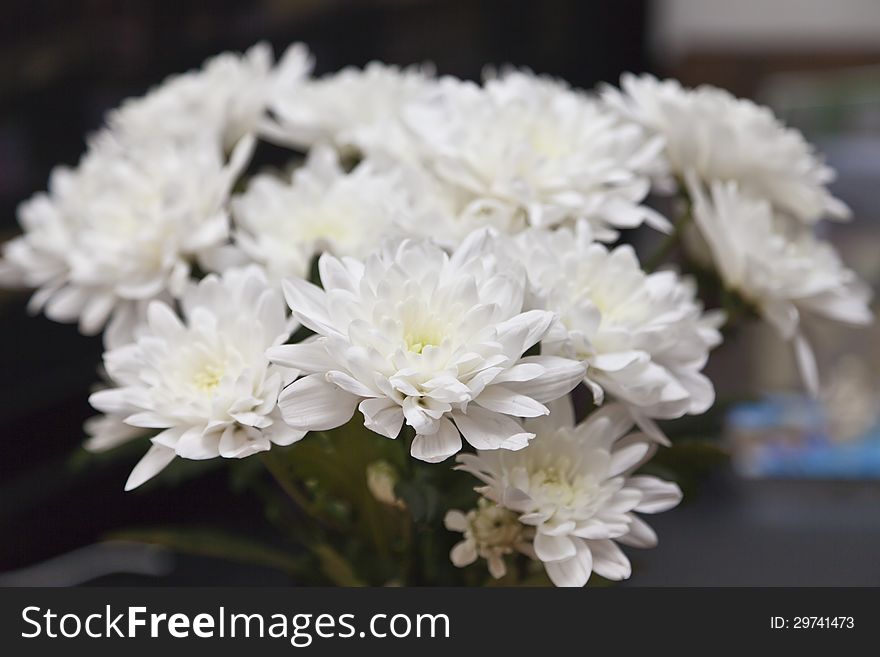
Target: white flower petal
(520,333)
(281,434)
(504,400)
(455,521)
(349,384)
(463,553)
(487,430)
(623,501)
(153,462)
(113,400)
(573,572)
(523,371)
(66,304)
(96,312)
(236,443)
(314,404)
(560,377)
(609,561)
(163,321)
(593,529)
(626,457)
(149,420)
(309,305)
(308,357)
(614,362)
(106,432)
(657,495)
(497,568)
(640,534)
(438,446)
(382,416)
(554,548)
(806,362)
(197,445)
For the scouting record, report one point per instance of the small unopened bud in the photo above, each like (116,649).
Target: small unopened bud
(381,478)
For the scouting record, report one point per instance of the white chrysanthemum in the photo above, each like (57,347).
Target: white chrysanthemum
(226,99)
(525,150)
(203,380)
(490,532)
(778,265)
(122,228)
(354,109)
(721,137)
(644,337)
(414,334)
(283,225)
(574,485)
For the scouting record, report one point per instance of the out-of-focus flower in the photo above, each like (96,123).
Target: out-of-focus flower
(357,110)
(850,400)
(719,137)
(778,265)
(644,337)
(203,380)
(414,334)
(284,225)
(490,532)
(381,479)
(122,228)
(226,99)
(523,150)
(574,485)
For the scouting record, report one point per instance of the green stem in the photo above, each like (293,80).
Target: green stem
(412,572)
(291,524)
(737,309)
(280,475)
(412,567)
(671,241)
(406,437)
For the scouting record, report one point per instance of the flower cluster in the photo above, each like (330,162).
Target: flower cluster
(126,226)
(756,190)
(643,337)
(574,487)
(527,151)
(418,336)
(437,260)
(202,380)
(491,532)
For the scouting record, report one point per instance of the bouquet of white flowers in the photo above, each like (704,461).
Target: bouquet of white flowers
(407,306)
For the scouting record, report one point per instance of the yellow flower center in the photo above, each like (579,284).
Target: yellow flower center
(417,340)
(494,527)
(555,485)
(208,377)
(545,139)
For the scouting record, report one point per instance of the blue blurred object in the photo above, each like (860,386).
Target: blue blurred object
(787,436)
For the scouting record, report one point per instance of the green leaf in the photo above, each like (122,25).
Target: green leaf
(325,474)
(336,567)
(692,455)
(217,544)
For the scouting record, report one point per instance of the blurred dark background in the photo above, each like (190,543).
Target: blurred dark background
(64,64)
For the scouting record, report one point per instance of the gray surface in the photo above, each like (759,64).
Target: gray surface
(767,533)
